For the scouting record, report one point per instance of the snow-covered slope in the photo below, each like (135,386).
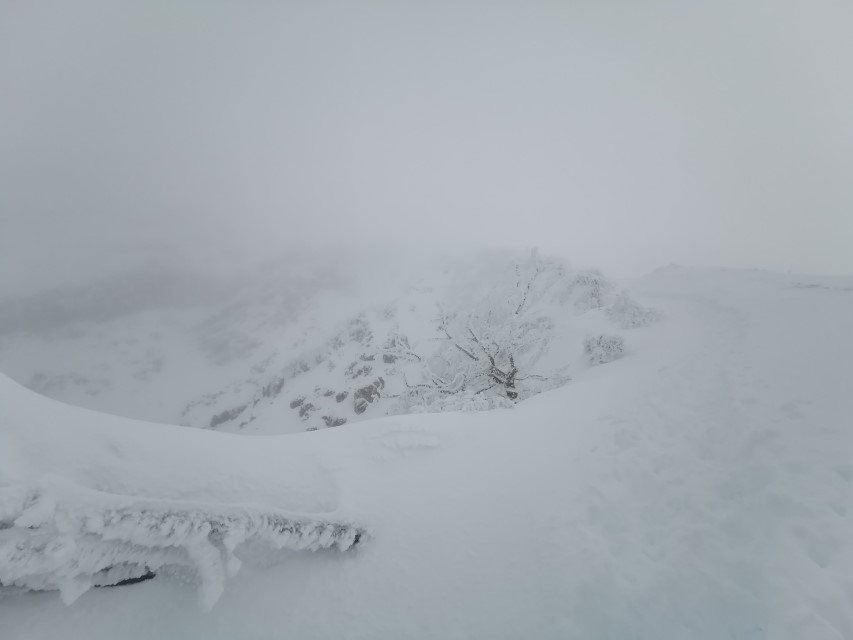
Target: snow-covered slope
(699,487)
(288,350)
(145,344)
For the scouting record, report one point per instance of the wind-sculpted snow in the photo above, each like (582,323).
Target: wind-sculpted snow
(73,539)
(88,499)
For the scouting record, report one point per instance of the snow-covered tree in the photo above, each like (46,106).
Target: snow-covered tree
(487,356)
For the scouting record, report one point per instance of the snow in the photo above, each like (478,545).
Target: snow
(289,352)
(698,487)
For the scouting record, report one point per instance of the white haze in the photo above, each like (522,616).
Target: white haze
(621,135)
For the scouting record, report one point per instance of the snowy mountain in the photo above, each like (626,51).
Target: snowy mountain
(297,347)
(698,487)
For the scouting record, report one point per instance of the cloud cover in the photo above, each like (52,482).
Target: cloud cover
(622,135)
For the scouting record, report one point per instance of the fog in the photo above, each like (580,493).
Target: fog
(620,135)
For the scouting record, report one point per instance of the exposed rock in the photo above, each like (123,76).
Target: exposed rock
(305,410)
(227,415)
(363,396)
(332,421)
(273,388)
(354,371)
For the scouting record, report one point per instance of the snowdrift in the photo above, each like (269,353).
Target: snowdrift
(697,487)
(92,500)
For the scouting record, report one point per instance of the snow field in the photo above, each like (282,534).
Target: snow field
(698,487)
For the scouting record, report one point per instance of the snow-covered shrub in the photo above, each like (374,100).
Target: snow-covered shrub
(603,348)
(629,314)
(460,402)
(590,289)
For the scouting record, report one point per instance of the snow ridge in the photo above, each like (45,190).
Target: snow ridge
(73,539)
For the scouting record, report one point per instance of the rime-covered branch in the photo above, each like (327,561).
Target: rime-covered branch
(490,352)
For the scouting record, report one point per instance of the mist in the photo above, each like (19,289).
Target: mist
(619,135)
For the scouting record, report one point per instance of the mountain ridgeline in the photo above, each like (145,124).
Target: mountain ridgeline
(307,349)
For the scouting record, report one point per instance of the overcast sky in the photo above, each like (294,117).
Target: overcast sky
(620,134)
